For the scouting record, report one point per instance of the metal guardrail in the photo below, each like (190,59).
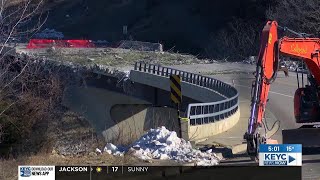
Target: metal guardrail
(200,113)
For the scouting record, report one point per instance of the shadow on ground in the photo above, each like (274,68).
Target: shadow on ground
(310,150)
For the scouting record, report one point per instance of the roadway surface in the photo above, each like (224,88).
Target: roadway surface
(280,104)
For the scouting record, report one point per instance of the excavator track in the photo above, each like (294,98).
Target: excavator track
(307,135)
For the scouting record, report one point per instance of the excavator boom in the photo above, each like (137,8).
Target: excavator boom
(303,48)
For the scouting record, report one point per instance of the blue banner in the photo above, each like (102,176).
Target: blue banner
(281,148)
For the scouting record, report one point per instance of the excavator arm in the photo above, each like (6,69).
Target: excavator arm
(303,48)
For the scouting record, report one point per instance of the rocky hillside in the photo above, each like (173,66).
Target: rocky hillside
(187,26)
(216,29)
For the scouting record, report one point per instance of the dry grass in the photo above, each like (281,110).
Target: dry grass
(113,57)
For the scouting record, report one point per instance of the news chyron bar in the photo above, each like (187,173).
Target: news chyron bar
(160,172)
(281,161)
(152,172)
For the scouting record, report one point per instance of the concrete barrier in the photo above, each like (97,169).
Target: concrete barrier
(120,118)
(132,121)
(200,132)
(193,91)
(95,104)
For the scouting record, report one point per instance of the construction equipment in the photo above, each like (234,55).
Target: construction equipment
(306,98)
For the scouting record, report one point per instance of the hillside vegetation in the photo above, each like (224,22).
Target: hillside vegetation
(215,29)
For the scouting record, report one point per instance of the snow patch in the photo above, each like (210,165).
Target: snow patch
(162,144)
(98,150)
(112,149)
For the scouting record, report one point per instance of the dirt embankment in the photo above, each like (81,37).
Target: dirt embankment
(33,122)
(37,128)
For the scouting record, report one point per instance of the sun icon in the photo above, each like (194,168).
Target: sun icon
(98,169)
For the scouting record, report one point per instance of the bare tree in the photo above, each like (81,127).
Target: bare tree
(30,90)
(15,19)
(299,15)
(236,42)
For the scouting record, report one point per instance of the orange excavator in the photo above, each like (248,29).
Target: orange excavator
(302,47)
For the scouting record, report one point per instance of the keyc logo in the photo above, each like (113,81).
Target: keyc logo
(275,157)
(25,171)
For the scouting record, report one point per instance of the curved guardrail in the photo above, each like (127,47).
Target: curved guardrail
(200,113)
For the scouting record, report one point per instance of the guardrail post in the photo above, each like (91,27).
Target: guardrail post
(154,69)
(198,79)
(219,109)
(230,105)
(210,83)
(149,68)
(203,81)
(206,82)
(202,112)
(186,77)
(140,66)
(224,107)
(206,111)
(213,110)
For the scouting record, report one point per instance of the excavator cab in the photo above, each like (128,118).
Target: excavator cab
(306,100)
(306,106)
(306,112)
